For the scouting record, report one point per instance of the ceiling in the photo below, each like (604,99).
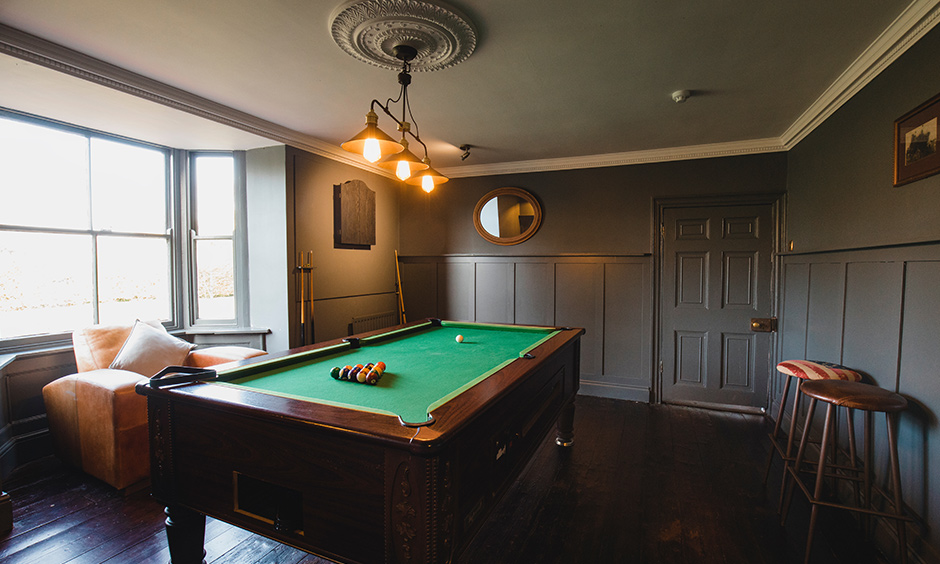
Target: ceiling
(552,84)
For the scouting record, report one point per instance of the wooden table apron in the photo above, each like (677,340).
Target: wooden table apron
(350,485)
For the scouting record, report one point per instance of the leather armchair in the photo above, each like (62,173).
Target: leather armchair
(97,421)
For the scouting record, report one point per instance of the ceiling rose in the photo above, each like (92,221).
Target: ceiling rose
(369,30)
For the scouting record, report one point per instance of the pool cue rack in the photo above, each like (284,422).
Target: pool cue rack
(305,268)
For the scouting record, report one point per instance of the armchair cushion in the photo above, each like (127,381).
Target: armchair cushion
(148,350)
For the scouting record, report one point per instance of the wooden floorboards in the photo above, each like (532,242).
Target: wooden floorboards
(643,483)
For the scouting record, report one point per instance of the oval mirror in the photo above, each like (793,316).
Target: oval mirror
(507,216)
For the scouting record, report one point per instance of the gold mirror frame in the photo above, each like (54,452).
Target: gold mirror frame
(514,240)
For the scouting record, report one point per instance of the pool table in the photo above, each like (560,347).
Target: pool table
(403,471)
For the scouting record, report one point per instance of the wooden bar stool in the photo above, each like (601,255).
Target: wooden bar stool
(801,370)
(867,398)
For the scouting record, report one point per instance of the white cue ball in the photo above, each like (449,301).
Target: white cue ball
(459,338)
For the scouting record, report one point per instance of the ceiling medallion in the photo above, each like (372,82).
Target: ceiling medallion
(369,30)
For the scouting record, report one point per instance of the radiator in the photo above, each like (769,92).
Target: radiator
(373,322)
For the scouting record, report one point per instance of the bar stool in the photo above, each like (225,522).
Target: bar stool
(867,398)
(802,370)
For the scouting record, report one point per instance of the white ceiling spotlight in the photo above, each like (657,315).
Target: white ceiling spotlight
(680,96)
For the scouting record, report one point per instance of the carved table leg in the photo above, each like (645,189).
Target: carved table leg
(565,435)
(185,534)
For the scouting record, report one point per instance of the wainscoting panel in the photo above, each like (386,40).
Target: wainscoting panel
(919,377)
(610,296)
(825,314)
(626,325)
(25,431)
(419,289)
(494,292)
(579,302)
(794,311)
(455,292)
(878,311)
(534,293)
(872,319)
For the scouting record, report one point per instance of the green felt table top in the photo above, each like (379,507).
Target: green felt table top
(426,367)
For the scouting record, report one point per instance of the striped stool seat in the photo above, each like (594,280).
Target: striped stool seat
(803,370)
(817,370)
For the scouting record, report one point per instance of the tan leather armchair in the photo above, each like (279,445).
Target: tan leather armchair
(97,421)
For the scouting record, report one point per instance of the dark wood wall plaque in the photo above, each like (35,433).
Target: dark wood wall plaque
(353,215)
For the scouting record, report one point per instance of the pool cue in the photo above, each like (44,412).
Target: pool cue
(401,299)
(303,303)
(313,335)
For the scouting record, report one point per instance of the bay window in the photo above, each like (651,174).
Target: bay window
(91,231)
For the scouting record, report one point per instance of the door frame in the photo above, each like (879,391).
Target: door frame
(777,201)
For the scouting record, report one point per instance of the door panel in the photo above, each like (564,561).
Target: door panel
(717,272)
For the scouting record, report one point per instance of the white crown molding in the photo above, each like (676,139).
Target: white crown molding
(916,20)
(690,152)
(51,55)
(913,23)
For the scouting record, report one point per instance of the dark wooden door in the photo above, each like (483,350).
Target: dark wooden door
(716,276)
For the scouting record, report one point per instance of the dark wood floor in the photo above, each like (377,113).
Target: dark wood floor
(643,483)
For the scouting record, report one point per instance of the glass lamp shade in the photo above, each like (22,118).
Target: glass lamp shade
(372,143)
(428,178)
(403,164)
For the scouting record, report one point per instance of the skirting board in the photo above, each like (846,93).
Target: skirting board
(606,390)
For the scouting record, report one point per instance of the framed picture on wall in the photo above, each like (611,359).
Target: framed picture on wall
(915,143)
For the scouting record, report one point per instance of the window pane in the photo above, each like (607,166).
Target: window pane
(45,283)
(216,286)
(43,176)
(133,279)
(215,194)
(128,187)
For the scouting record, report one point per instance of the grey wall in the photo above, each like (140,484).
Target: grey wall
(840,177)
(589,265)
(347,283)
(876,309)
(589,211)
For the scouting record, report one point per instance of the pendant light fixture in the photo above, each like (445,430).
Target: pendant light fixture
(393,35)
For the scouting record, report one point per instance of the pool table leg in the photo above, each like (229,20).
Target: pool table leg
(565,437)
(185,534)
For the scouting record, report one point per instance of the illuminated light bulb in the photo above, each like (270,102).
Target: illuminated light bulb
(371,151)
(403,171)
(427,183)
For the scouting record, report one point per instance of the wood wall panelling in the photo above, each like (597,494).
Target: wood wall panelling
(881,309)
(825,312)
(609,296)
(419,289)
(919,378)
(872,319)
(455,294)
(793,311)
(579,302)
(494,290)
(627,324)
(25,434)
(534,293)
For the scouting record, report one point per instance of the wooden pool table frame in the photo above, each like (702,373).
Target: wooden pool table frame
(350,485)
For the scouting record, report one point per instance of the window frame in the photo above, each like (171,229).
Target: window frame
(178,233)
(239,240)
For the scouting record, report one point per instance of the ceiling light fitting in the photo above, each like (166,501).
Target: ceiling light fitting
(377,147)
(392,35)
